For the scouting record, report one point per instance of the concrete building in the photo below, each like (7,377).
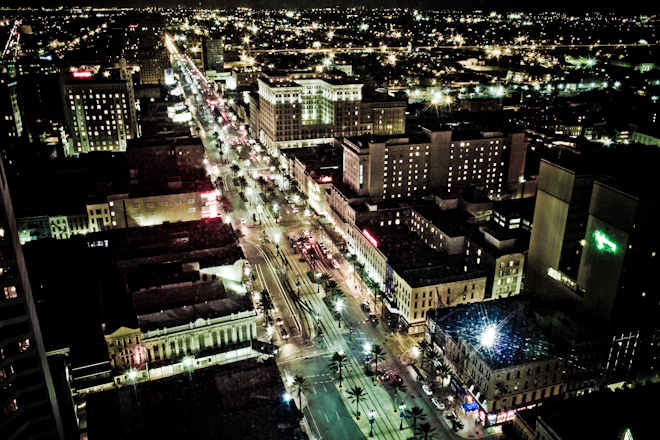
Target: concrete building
(99,107)
(501,357)
(214,54)
(306,108)
(594,246)
(393,167)
(28,398)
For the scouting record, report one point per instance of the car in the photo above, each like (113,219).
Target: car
(285,334)
(373,318)
(439,405)
(427,389)
(365,307)
(243,221)
(334,264)
(395,377)
(279,321)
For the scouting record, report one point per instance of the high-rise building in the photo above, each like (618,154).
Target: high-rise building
(28,404)
(214,54)
(143,45)
(430,161)
(306,108)
(99,106)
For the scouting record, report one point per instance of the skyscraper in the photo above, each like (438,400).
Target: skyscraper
(214,56)
(28,406)
(99,106)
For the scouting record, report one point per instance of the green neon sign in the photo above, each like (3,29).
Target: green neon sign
(604,243)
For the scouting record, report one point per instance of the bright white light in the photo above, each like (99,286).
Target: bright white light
(132,374)
(287,397)
(339,305)
(367,348)
(489,336)
(415,352)
(187,362)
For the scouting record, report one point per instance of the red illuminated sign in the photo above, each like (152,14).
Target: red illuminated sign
(325,179)
(210,209)
(369,237)
(82,74)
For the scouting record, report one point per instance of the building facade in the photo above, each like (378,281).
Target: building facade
(99,109)
(28,403)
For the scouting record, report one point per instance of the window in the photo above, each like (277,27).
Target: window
(191,209)
(191,201)
(135,206)
(177,202)
(10,292)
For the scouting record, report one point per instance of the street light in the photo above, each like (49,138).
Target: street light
(270,330)
(189,363)
(415,352)
(402,415)
(338,307)
(372,420)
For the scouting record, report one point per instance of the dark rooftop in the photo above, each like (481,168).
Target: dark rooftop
(238,401)
(520,339)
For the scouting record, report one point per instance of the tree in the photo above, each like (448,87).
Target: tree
(242,181)
(357,394)
(424,348)
(427,430)
(332,287)
(299,385)
(325,277)
(378,354)
(234,168)
(265,304)
(416,413)
(337,364)
(303,198)
(397,387)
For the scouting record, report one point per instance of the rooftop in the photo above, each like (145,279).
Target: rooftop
(520,340)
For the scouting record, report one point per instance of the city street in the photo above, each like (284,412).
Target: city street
(314,333)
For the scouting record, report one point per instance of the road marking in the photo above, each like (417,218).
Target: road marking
(337,415)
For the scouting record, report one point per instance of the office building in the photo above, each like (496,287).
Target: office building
(214,54)
(99,107)
(28,401)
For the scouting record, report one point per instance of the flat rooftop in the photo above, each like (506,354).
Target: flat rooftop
(169,306)
(520,340)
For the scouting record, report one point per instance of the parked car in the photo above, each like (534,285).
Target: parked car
(285,334)
(242,221)
(427,389)
(373,318)
(439,405)
(334,264)
(365,307)
(279,321)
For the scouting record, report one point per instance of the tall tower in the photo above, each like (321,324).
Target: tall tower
(28,406)
(214,56)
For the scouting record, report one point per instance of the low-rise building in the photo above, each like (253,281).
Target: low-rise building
(502,357)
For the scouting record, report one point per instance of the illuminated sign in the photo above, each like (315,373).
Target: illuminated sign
(604,243)
(210,208)
(369,237)
(627,435)
(82,74)
(325,179)
(46,57)
(12,83)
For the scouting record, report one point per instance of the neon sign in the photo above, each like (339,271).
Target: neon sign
(604,243)
(369,237)
(325,179)
(82,74)
(210,209)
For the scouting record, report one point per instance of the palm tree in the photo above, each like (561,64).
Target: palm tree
(416,413)
(398,387)
(266,304)
(357,394)
(427,430)
(242,181)
(337,364)
(332,287)
(234,168)
(378,354)
(324,278)
(299,385)
(424,348)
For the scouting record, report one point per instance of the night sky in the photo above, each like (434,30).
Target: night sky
(571,6)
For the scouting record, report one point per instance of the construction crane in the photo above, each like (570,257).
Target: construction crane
(13,41)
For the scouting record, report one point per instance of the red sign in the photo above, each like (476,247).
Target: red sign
(82,74)
(369,237)
(210,209)
(325,179)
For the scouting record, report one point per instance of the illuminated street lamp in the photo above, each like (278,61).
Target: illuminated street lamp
(189,363)
(270,330)
(489,336)
(415,353)
(372,420)
(402,415)
(338,307)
